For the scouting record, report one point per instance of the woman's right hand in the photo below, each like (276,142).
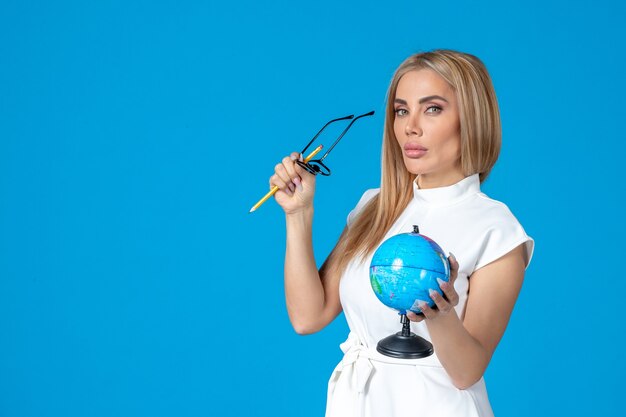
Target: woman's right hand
(296,185)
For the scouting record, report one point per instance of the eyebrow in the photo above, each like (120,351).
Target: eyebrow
(422,100)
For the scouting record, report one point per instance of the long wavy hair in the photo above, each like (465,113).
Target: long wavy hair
(480,132)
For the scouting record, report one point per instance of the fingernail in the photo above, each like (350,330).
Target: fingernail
(293,158)
(422,304)
(440,282)
(432,293)
(301,158)
(451,254)
(292,188)
(298,183)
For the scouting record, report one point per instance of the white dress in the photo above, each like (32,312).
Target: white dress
(478,230)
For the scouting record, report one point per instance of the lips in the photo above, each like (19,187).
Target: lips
(413,150)
(414,147)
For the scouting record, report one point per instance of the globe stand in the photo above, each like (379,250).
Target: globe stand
(405,344)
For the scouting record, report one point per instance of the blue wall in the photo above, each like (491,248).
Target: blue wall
(135,136)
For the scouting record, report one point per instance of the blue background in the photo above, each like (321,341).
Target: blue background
(135,136)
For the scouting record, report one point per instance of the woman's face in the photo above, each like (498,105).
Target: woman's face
(427,128)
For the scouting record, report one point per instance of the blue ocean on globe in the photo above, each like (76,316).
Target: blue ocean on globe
(404,268)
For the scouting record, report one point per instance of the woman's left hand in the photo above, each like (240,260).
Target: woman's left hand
(444,305)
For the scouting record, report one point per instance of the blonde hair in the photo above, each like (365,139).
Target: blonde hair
(480,132)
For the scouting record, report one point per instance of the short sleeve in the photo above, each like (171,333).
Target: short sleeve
(365,198)
(503,235)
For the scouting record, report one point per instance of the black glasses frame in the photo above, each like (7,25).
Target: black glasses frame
(317,166)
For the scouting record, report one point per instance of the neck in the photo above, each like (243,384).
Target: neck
(426,181)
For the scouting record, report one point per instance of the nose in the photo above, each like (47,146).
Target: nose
(412,127)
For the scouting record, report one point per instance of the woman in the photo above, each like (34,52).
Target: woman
(442,137)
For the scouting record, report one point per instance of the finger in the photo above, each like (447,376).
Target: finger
(289,163)
(440,302)
(429,313)
(281,170)
(290,166)
(414,317)
(275,180)
(449,292)
(454,267)
(284,180)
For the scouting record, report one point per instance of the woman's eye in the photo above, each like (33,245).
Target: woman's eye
(433,107)
(401,112)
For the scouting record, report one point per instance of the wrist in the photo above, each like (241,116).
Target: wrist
(303,214)
(299,223)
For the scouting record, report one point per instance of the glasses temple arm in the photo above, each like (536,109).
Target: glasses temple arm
(344,132)
(322,129)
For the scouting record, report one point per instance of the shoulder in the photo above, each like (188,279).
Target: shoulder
(499,230)
(367,196)
(494,212)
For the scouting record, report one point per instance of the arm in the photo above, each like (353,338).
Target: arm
(465,347)
(312,296)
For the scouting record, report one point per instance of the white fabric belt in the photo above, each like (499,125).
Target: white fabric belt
(356,368)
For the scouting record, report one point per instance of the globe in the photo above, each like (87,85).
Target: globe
(404,268)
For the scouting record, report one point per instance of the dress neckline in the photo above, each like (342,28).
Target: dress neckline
(449,194)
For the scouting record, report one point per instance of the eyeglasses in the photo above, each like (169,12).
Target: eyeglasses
(317,166)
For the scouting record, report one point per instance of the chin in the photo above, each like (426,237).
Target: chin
(415,166)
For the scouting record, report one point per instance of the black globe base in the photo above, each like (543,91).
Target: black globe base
(405,344)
